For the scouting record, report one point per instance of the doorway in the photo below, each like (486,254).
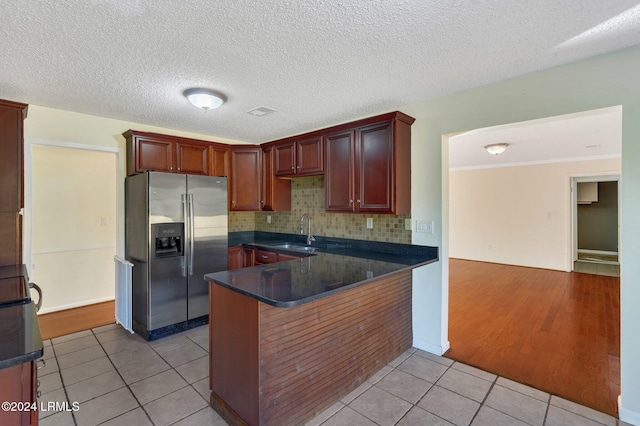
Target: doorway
(595,219)
(510,235)
(70,222)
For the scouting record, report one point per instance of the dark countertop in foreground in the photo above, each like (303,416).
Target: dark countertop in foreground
(20,335)
(19,329)
(337,265)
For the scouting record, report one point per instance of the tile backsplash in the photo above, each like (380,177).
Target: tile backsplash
(307,196)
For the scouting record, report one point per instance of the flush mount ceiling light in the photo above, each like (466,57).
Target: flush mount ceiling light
(496,148)
(205,98)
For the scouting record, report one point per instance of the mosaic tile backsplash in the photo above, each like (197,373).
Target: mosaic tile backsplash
(307,197)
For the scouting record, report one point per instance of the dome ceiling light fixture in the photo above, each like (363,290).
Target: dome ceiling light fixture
(496,148)
(205,99)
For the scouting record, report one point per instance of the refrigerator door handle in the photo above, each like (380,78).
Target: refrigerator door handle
(192,232)
(184,215)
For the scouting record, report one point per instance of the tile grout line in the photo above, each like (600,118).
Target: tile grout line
(123,381)
(409,353)
(127,385)
(64,388)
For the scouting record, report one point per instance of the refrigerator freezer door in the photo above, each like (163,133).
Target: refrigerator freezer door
(165,197)
(209,229)
(167,295)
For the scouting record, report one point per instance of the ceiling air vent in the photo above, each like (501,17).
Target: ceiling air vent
(261,111)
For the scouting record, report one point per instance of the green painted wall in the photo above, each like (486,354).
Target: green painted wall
(603,81)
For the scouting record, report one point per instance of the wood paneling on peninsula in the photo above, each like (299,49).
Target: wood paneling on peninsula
(276,366)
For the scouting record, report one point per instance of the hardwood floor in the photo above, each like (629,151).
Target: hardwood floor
(60,323)
(556,331)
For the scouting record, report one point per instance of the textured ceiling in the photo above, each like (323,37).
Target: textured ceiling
(317,63)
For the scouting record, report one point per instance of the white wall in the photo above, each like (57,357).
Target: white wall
(604,81)
(73,218)
(517,215)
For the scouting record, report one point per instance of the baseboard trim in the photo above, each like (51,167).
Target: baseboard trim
(587,251)
(627,416)
(434,349)
(60,323)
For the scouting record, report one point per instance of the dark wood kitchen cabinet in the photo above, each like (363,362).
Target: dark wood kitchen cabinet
(236,257)
(368,167)
(245,181)
(12,115)
(23,389)
(302,157)
(219,160)
(172,154)
(249,257)
(276,193)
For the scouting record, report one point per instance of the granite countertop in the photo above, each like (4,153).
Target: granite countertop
(20,335)
(14,285)
(336,265)
(19,328)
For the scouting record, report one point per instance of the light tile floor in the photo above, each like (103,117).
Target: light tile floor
(107,376)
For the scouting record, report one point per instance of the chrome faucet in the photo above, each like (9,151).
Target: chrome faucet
(310,238)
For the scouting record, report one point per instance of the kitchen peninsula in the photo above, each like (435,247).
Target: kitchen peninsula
(289,339)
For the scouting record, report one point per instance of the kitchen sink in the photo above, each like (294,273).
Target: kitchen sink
(294,247)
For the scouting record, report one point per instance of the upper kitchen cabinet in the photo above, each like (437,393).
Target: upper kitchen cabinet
(339,178)
(245,180)
(219,161)
(303,157)
(368,166)
(172,154)
(276,193)
(12,115)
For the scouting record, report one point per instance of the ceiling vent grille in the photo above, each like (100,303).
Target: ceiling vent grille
(261,111)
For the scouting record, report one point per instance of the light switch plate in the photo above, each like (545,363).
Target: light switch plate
(268,218)
(424,226)
(369,223)
(407,224)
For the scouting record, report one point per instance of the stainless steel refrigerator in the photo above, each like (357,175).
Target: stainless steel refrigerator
(175,233)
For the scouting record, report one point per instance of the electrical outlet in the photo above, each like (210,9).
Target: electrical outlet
(407,224)
(268,218)
(369,223)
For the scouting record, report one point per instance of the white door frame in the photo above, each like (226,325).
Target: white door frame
(28,186)
(574,179)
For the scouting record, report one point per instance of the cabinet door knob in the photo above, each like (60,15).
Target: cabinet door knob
(350,201)
(358,201)
(293,168)
(298,166)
